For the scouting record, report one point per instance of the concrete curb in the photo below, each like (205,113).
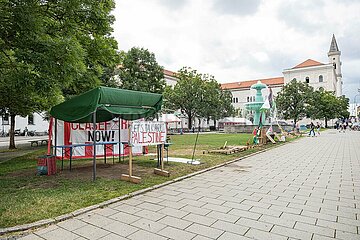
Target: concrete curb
(118,199)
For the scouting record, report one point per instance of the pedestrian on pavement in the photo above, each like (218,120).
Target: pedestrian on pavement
(26,132)
(318,127)
(312,129)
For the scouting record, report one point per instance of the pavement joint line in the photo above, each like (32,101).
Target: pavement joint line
(50,221)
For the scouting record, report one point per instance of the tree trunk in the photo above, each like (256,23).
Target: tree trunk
(12,131)
(326,125)
(215,125)
(199,124)
(189,121)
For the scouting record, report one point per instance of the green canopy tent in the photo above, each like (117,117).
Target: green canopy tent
(103,104)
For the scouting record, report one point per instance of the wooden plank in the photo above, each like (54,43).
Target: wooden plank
(270,138)
(128,178)
(161,172)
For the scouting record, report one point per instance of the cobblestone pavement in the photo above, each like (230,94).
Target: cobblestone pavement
(308,189)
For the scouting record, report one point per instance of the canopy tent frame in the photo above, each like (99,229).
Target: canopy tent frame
(104,104)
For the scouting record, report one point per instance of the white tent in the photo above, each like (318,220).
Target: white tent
(169,118)
(234,121)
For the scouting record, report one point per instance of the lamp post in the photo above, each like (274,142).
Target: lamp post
(355,104)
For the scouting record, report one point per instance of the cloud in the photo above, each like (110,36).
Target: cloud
(236,7)
(173,4)
(306,16)
(241,40)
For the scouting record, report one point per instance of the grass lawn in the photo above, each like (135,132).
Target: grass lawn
(25,197)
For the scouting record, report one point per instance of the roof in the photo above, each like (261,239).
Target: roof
(169,73)
(308,63)
(247,84)
(333,46)
(108,103)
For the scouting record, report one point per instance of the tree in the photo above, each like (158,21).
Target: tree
(198,95)
(187,93)
(325,105)
(48,48)
(139,71)
(293,100)
(220,105)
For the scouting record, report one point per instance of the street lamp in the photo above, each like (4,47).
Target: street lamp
(355,103)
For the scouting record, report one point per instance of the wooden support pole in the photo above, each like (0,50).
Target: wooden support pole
(130,160)
(162,156)
(130,177)
(161,171)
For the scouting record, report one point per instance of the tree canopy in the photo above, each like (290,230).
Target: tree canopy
(293,100)
(50,48)
(198,95)
(139,71)
(297,100)
(325,105)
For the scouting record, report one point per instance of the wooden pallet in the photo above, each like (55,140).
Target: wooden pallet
(230,149)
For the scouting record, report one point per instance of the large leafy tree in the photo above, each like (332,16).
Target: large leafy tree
(187,94)
(215,102)
(140,71)
(294,100)
(325,105)
(198,95)
(48,48)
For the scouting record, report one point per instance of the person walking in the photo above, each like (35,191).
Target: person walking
(26,132)
(318,127)
(312,129)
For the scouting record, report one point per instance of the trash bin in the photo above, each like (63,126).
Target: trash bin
(46,165)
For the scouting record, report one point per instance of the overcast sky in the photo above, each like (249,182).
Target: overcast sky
(239,40)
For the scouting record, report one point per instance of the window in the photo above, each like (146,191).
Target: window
(253,98)
(237,100)
(334,65)
(307,80)
(31,119)
(5,119)
(321,78)
(247,99)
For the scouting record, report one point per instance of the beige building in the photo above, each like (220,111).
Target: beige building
(318,75)
(170,78)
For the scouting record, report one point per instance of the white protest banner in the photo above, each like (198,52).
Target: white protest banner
(147,133)
(82,133)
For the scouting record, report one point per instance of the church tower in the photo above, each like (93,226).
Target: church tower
(334,58)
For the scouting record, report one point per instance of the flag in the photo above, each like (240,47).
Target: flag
(268,104)
(270,97)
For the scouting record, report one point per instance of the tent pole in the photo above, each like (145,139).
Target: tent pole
(94,147)
(55,144)
(197,136)
(119,137)
(130,156)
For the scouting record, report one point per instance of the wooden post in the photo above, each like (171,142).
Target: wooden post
(119,138)
(161,171)
(162,156)
(130,177)
(130,160)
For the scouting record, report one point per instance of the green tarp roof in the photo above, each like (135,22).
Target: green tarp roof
(108,103)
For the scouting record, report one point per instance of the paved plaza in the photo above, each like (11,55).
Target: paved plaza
(307,189)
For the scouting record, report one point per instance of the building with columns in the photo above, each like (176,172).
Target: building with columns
(318,75)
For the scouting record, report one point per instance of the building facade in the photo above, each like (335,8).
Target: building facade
(33,122)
